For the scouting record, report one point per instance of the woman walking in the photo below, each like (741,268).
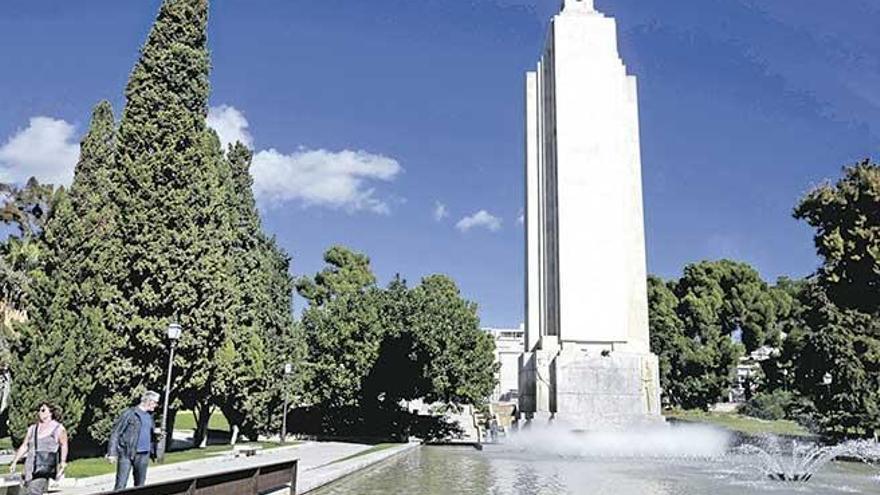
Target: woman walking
(44,442)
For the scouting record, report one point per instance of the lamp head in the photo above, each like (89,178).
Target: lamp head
(174,331)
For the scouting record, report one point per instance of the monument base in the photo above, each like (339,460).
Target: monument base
(590,390)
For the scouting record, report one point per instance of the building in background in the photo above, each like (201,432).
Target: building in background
(509,344)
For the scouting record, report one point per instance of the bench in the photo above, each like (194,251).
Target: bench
(246,450)
(255,480)
(10,486)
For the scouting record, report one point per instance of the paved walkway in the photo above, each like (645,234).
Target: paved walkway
(318,464)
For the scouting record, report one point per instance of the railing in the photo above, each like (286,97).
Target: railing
(249,481)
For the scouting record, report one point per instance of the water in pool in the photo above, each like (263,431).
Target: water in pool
(669,461)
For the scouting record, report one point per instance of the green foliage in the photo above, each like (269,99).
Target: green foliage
(24,209)
(370,348)
(843,345)
(696,357)
(177,233)
(159,225)
(846,217)
(771,406)
(74,291)
(726,296)
(27,208)
(841,336)
(341,326)
(668,340)
(455,356)
(253,356)
(693,321)
(779,369)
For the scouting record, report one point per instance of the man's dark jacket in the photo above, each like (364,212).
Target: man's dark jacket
(124,437)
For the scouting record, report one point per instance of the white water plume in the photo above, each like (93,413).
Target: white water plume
(799,461)
(660,441)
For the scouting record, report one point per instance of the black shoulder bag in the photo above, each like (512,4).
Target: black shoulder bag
(45,463)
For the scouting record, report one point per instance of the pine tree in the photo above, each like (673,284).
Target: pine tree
(342,327)
(694,319)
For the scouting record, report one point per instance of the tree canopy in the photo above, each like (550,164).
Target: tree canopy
(695,323)
(840,340)
(159,225)
(370,348)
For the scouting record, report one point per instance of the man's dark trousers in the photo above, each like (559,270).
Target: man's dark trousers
(138,464)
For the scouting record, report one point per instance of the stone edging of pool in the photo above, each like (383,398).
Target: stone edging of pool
(319,476)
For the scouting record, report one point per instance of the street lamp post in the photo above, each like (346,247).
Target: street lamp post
(288,370)
(174,330)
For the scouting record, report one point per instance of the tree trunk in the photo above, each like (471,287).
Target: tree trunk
(234,438)
(169,435)
(203,416)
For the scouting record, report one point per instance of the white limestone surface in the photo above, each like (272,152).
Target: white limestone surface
(587,350)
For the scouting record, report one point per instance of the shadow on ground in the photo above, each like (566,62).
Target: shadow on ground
(369,425)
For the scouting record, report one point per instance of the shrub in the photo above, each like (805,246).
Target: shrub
(769,405)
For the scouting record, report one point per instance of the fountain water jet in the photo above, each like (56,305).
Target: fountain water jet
(772,457)
(800,461)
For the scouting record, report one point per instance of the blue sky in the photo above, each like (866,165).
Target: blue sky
(368,115)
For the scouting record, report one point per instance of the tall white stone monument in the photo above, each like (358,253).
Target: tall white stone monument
(587,360)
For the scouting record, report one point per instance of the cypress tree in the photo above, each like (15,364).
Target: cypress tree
(159,226)
(176,233)
(76,299)
(253,355)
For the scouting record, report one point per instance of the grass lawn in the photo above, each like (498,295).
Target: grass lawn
(82,468)
(740,423)
(186,420)
(6,443)
(375,448)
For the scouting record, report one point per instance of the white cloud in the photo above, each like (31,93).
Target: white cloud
(521,218)
(230,124)
(332,179)
(45,149)
(480,219)
(338,180)
(440,211)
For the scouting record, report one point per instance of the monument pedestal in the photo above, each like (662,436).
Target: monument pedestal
(588,389)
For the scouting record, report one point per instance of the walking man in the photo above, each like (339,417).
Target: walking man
(132,441)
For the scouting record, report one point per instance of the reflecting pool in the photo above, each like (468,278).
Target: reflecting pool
(595,467)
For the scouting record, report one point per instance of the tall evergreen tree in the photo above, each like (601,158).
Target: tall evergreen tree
(252,359)
(76,302)
(668,340)
(177,231)
(159,225)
